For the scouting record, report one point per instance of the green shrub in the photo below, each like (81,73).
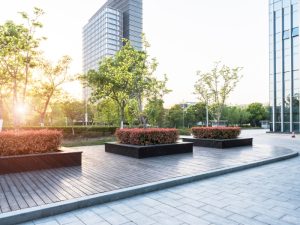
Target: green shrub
(79,131)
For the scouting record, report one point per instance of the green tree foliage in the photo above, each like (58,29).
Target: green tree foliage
(195,113)
(257,112)
(47,85)
(214,87)
(124,77)
(18,55)
(175,116)
(106,112)
(155,112)
(235,115)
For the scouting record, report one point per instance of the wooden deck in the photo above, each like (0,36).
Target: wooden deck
(102,172)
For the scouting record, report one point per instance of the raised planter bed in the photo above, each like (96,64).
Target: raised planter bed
(220,143)
(22,163)
(144,151)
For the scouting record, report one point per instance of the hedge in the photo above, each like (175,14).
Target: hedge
(79,131)
(216,132)
(29,142)
(148,136)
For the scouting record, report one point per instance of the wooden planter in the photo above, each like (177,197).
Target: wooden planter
(141,151)
(220,143)
(22,163)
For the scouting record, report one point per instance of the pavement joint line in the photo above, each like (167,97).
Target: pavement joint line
(25,215)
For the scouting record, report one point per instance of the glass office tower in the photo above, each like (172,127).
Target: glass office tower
(284,65)
(102,35)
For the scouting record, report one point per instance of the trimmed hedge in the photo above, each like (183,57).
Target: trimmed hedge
(79,131)
(148,136)
(29,142)
(216,132)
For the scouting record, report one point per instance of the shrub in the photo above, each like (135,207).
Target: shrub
(28,142)
(148,136)
(216,132)
(80,131)
(185,131)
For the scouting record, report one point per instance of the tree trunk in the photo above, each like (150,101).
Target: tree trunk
(143,119)
(15,102)
(42,119)
(122,115)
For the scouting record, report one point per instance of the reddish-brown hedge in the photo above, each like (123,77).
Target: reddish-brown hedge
(28,142)
(148,136)
(216,132)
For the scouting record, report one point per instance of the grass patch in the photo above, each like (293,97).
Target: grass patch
(77,142)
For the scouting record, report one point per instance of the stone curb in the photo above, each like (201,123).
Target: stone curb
(24,215)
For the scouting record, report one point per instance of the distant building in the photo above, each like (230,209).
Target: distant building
(284,65)
(103,34)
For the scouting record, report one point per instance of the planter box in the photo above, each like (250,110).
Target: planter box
(22,163)
(141,151)
(220,143)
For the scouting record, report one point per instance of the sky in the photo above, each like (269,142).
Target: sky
(185,36)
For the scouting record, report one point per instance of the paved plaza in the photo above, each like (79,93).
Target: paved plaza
(263,195)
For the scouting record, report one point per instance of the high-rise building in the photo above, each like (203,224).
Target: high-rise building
(284,76)
(102,35)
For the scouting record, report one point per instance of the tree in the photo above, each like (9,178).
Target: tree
(195,113)
(257,112)
(154,111)
(235,115)
(48,84)
(18,54)
(215,86)
(124,77)
(73,110)
(106,112)
(175,116)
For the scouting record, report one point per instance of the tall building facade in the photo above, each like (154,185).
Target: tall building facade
(103,34)
(284,76)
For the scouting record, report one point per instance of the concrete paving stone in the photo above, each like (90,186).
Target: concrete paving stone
(271,220)
(170,202)
(216,203)
(218,220)
(192,210)
(122,209)
(100,209)
(245,220)
(114,218)
(146,210)
(190,219)
(149,201)
(47,223)
(216,210)
(171,195)
(289,205)
(241,211)
(66,218)
(260,209)
(164,219)
(89,217)
(191,202)
(44,220)
(291,219)
(140,219)
(171,211)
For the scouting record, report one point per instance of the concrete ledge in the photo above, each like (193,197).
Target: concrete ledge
(25,215)
(220,143)
(145,151)
(30,162)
